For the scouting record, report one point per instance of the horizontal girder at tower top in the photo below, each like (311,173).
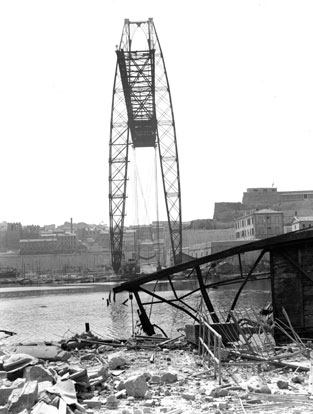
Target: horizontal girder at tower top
(137,75)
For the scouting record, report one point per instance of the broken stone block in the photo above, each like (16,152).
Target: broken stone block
(120,386)
(98,371)
(45,352)
(298,379)
(17,361)
(112,402)
(22,398)
(43,408)
(256,384)
(121,394)
(5,393)
(155,379)
(43,386)
(219,392)
(282,385)
(65,389)
(37,373)
(169,377)
(148,395)
(136,386)
(188,396)
(96,381)
(7,388)
(117,360)
(93,403)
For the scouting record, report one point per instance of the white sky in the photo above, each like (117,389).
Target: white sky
(241,78)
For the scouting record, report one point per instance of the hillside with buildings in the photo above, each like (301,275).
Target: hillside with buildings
(82,247)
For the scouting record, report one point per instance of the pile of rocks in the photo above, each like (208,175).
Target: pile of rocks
(48,380)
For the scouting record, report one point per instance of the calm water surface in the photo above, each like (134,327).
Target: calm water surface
(50,313)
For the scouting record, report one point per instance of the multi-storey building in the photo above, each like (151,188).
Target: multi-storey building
(259,224)
(39,246)
(49,243)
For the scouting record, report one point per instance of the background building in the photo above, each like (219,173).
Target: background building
(259,224)
(300,223)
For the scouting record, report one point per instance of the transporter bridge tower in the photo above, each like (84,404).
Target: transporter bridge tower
(142,117)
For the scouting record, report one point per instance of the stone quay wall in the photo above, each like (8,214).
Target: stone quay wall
(55,262)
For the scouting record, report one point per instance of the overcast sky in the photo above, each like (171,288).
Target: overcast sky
(241,78)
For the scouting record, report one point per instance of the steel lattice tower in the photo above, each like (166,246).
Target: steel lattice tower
(142,116)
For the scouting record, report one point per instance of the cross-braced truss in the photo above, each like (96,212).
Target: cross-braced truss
(142,116)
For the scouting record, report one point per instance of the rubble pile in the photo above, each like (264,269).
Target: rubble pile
(145,378)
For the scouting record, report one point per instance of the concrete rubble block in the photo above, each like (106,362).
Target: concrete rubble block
(96,381)
(117,360)
(37,373)
(282,385)
(22,398)
(80,377)
(148,395)
(93,403)
(7,388)
(257,384)
(298,379)
(66,390)
(136,386)
(219,392)
(169,377)
(112,402)
(14,365)
(155,379)
(188,396)
(4,409)
(45,352)
(121,394)
(98,371)
(17,361)
(43,387)
(120,386)
(43,408)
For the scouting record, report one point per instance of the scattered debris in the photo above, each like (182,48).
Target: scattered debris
(161,378)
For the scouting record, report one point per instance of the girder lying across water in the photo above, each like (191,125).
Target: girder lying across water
(290,269)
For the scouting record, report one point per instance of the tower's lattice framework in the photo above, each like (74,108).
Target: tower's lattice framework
(142,116)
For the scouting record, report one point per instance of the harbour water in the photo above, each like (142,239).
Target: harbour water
(50,313)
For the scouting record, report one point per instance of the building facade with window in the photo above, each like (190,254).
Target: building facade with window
(300,223)
(259,224)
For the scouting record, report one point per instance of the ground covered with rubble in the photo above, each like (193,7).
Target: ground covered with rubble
(147,377)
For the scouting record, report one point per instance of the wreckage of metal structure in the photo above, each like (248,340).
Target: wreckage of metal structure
(290,269)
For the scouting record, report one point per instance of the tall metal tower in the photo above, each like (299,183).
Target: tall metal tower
(142,116)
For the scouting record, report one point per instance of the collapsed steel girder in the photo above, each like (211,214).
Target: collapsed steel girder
(142,116)
(277,244)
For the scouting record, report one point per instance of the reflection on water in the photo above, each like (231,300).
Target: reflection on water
(51,313)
